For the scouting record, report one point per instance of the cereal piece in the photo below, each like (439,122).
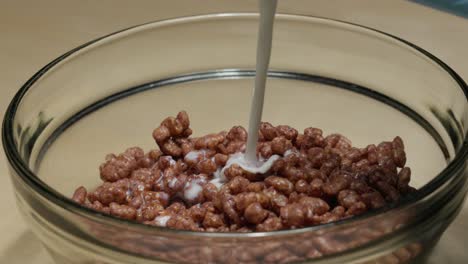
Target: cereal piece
(150,197)
(208,206)
(154,154)
(171,148)
(220,159)
(212,220)
(277,199)
(265,149)
(110,192)
(243,200)
(186,145)
(237,185)
(232,147)
(268,131)
(286,131)
(294,174)
(360,186)
(302,186)
(255,187)
(294,197)
(312,174)
(312,137)
(136,201)
(161,134)
(228,206)
(122,211)
(167,135)
(278,166)
(354,154)
(356,209)
(316,187)
(207,166)
(210,191)
(337,182)
(316,157)
(145,176)
(79,196)
(149,158)
(166,162)
(404,177)
(98,206)
(183,119)
(337,141)
(331,163)
(272,223)
(255,214)
(181,222)
(373,200)
(399,155)
(385,157)
(197,213)
(348,198)
(210,141)
(280,145)
(312,131)
(280,184)
(314,206)
(388,191)
(237,133)
(176,208)
(175,127)
(119,167)
(293,215)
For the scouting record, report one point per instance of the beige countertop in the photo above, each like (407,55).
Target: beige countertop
(33,33)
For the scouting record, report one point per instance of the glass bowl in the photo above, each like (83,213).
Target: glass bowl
(109,94)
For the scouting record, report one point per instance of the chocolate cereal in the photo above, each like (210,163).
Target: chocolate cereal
(192,183)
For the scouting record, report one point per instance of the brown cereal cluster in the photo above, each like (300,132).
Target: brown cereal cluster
(316,179)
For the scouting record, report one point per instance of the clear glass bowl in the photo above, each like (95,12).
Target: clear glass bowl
(110,93)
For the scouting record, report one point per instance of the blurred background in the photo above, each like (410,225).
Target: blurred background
(32,33)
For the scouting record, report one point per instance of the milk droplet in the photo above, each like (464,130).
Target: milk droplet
(162,220)
(192,191)
(172,183)
(172,162)
(290,152)
(192,156)
(217,181)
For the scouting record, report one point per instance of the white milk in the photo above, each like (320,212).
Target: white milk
(249,161)
(265,36)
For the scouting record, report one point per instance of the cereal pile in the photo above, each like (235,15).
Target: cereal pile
(191,183)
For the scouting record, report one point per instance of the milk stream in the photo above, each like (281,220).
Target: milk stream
(249,160)
(265,36)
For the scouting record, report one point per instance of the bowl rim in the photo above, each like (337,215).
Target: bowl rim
(22,170)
